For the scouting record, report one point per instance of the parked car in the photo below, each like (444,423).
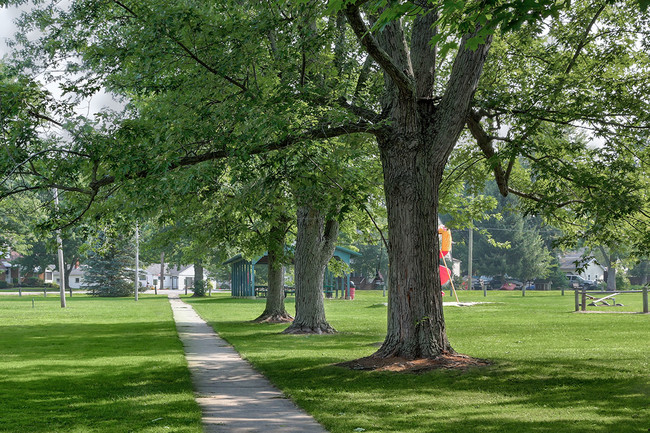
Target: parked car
(497,282)
(477,284)
(577,282)
(518,284)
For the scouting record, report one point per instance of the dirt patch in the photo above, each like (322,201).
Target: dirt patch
(447,361)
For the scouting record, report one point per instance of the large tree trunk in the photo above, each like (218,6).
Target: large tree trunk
(275,311)
(611,277)
(414,150)
(199,284)
(162,272)
(198,271)
(644,272)
(416,325)
(611,268)
(315,243)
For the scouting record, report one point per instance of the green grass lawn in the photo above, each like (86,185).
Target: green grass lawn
(100,365)
(552,370)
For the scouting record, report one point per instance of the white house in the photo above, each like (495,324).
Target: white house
(592,271)
(51,275)
(174,277)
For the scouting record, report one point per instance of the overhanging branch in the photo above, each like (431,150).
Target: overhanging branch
(403,82)
(313,134)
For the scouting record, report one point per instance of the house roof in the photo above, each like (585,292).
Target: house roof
(349,251)
(170,270)
(568,261)
(337,249)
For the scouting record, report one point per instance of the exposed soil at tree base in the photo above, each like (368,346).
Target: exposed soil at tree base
(446,361)
(274,318)
(324,328)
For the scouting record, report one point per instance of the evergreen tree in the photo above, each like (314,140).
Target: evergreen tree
(107,272)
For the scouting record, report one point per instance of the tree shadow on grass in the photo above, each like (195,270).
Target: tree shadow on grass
(114,377)
(547,394)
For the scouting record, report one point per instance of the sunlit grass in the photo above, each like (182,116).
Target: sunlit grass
(100,365)
(552,370)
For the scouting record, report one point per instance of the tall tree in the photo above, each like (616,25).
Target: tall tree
(108,271)
(288,73)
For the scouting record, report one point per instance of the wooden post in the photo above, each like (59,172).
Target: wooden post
(645,299)
(137,260)
(577,296)
(584,299)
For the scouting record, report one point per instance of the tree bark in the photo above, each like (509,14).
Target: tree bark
(315,243)
(198,270)
(275,311)
(199,284)
(162,272)
(644,272)
(611,277)
(611,269)
(414,149)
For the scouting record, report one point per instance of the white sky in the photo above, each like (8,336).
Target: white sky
(7,30)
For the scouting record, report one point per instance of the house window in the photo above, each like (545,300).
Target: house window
(143,277)
(76,280)
(48,276)
(58,280)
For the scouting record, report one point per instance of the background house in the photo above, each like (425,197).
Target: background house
(174,277)
(9,272)
(592,271)
(51,275)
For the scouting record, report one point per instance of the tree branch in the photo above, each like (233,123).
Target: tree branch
(403,82)
(485,144)
(313,134)
(189,52)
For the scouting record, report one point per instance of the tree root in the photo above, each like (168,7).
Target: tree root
(277,317)
(321,328)
(447,361)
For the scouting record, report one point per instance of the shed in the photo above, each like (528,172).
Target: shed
(242,273)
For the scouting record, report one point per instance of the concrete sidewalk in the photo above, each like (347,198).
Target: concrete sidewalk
(233,396)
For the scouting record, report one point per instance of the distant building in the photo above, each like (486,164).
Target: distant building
(174,277)
(8,272)
(51,275)
(591,271)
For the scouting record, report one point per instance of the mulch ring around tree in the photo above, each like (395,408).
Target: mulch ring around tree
(446,361)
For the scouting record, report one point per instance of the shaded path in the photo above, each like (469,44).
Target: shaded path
(233,396)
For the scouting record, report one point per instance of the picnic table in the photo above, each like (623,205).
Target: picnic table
(262,291)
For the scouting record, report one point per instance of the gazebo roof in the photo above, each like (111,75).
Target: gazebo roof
(263,259)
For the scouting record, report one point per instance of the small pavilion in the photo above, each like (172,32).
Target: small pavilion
(242,275)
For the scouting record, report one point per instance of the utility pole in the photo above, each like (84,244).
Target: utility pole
(470,247)
(137,260)
(59,243)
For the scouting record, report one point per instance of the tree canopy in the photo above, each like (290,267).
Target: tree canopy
(547,96)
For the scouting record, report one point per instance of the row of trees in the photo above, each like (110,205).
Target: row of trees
(243,117)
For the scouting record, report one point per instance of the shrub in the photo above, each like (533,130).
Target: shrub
(33,282)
